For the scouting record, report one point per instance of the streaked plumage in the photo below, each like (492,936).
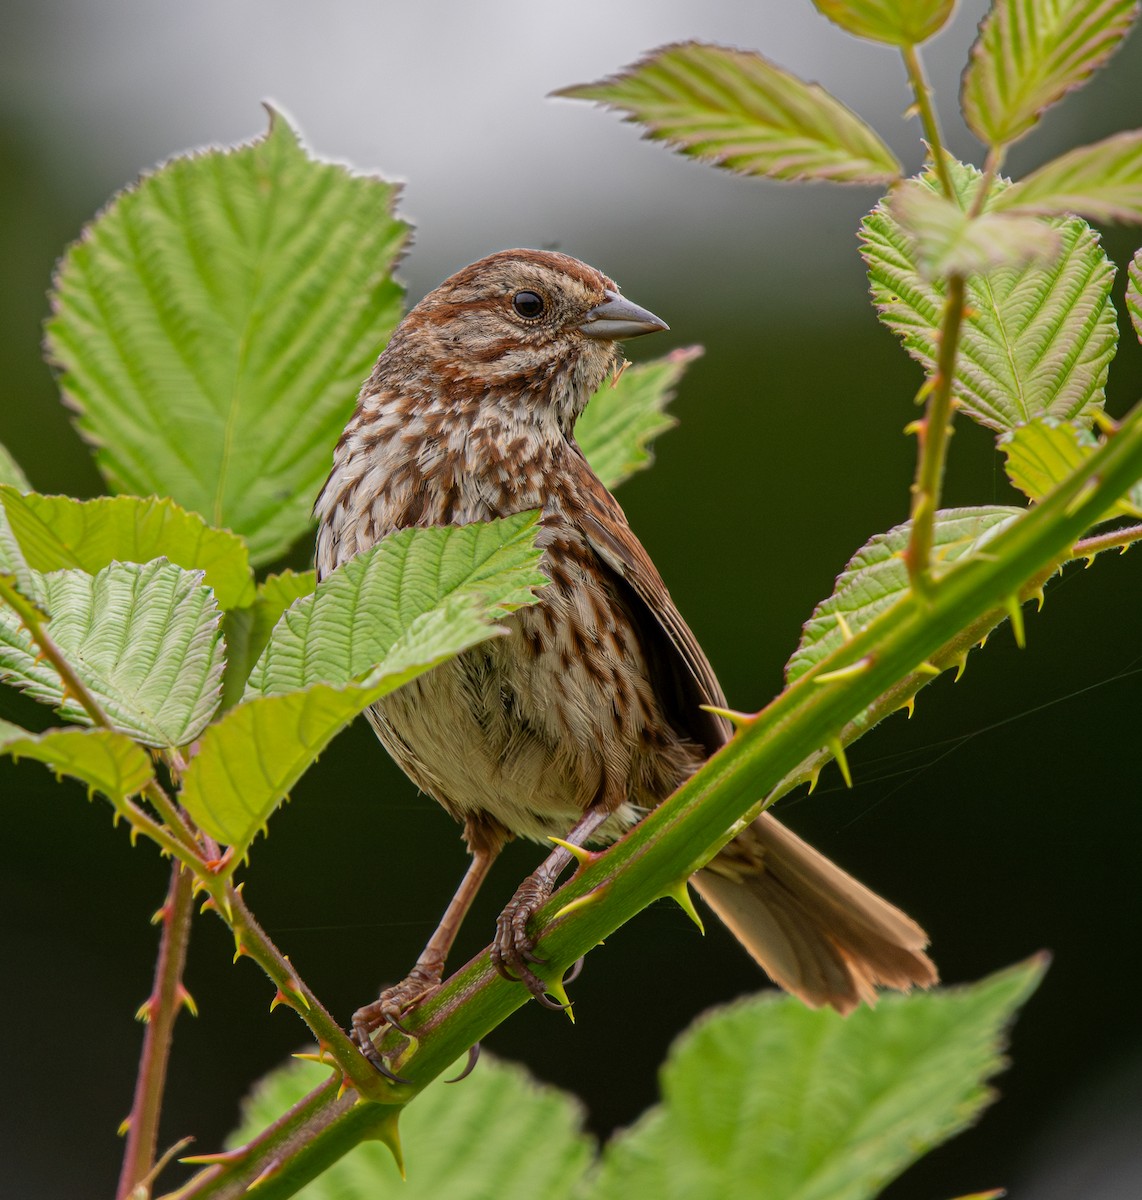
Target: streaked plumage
(593,701)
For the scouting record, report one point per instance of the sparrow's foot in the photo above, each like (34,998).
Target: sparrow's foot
(513,948)
(388,1011)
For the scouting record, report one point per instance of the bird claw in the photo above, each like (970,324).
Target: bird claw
(513,948)
(386,1012)
(469,1066)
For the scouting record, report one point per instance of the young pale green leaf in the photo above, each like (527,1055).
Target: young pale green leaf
(1041,454)
(143,639)
(214,323)
(1035,341)
(947,240)
(248,629)
(404,601)
(1029,54)
(1134,293)
(623,418)
(506,1136)
(876,577)
(1102,182)
(734,109)
(104,760)
(768,1097)
(57,532)
(898,22)
(11,473)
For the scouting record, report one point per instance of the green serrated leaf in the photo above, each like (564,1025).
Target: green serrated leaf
(734,109)
(1134,293)
(400,603)
(144,640)
(1036,341)
(898,22)
(770,1097)
(459,1143)
(1102,182)
(213,325)
(103,759)
(248,629)
(623,418)
(11,473)
(1041,454)
(1029,55)
(57,532)
(947,240)
(876,577)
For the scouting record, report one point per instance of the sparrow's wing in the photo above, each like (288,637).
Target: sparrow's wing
(684,678)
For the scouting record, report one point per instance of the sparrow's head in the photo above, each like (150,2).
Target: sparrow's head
(533,325)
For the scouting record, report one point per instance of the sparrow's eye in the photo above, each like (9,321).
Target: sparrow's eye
(528,304)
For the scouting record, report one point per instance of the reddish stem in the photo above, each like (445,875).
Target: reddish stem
(161,1009)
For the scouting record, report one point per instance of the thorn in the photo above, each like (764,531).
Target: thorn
(322,1057)
(161,914)
(556,989)
(222,1158)
(838,752)
(291,993)
(387,1132)
(913,110)
(239,950)
(928,668)
(961,666)
(849,672)
(1040,598)
(814,779)
(914,428)
(581,855)
(1015,612)
(681,893)
(844,627)
(124,1126)
(183,997)
(738,720)
(580,902)
(145,1012)
(910,706)
(218,866)
(271,1170)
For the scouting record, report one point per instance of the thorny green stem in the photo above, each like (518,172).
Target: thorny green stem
(1116,539)
(954,654)
(250,939)
(923,93)
(688,828)
(160,1012)
(933,431)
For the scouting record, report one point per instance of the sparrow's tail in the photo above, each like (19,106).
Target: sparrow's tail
(816,931)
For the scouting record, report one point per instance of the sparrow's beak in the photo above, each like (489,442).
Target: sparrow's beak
(618,318)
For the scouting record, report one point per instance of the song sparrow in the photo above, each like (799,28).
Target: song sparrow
(589,712)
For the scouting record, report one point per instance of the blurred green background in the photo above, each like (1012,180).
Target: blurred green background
(1004,816)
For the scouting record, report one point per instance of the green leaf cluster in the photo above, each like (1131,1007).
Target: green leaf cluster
(762,1097)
